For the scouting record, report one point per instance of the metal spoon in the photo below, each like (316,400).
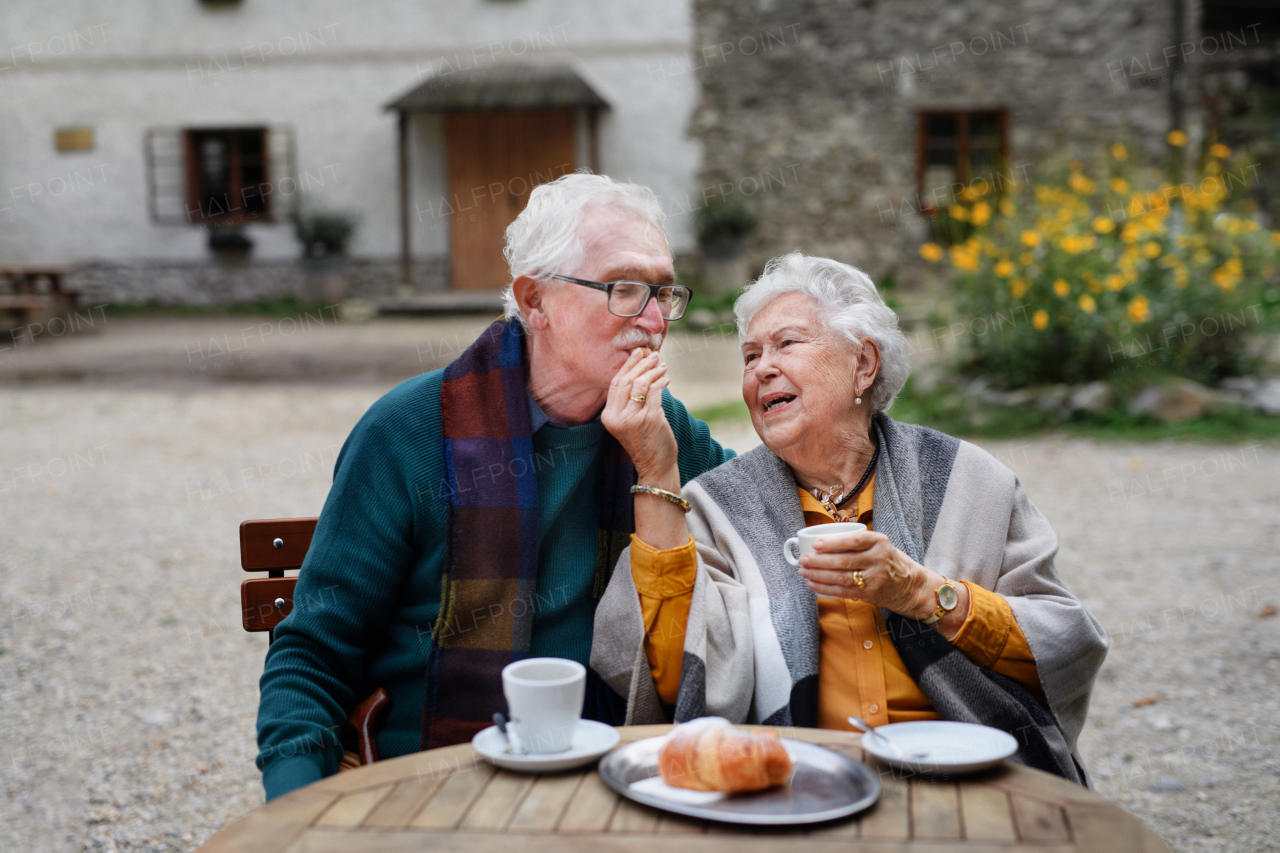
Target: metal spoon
(513,744)
(863,726)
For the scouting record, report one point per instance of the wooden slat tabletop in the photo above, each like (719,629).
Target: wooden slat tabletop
(452,800)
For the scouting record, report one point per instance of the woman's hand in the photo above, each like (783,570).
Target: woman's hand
(889,577)
(642,428)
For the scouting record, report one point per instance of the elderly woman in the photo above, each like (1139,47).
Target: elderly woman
(947,607)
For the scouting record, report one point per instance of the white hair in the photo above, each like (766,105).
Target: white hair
(850,307)
(543,239)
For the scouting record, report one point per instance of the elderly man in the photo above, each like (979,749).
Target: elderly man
(476,511)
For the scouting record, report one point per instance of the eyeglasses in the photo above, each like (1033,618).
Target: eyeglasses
(630,298)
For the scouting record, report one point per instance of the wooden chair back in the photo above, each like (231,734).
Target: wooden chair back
(274,546)
(271,545)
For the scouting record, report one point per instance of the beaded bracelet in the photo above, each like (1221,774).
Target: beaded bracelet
(664,494)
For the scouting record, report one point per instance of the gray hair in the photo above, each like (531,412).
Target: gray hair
(543,239)
(851,307)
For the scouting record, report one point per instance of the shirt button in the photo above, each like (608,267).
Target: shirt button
(867,644)
(873,708)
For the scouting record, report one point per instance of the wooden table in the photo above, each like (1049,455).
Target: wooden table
(452,800)
(31,290)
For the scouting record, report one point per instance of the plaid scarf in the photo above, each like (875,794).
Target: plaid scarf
(490,578)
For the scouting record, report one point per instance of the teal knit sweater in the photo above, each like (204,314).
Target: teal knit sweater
(369,591)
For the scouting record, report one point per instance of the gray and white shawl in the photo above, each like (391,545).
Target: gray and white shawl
(751,651)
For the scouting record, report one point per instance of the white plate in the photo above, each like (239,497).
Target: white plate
(590,741)
(949,747)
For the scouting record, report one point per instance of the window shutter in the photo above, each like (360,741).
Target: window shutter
(282,173)
(166,175)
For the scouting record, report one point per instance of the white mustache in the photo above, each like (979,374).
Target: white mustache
(629,339)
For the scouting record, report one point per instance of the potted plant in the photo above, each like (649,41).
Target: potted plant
(723,229)
(324,236)
(228,241)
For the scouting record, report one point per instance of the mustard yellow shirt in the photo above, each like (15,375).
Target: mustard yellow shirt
(860,670)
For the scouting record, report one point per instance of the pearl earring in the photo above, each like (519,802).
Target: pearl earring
(857,400)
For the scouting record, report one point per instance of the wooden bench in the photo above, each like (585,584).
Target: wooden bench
(274,546)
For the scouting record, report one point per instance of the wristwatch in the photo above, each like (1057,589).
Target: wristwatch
(947,601)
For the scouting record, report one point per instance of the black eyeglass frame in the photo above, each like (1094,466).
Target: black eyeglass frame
(607,287)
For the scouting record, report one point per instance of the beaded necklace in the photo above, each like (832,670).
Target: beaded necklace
(832,499)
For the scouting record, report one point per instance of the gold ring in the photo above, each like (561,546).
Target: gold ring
(639,399)
(859,580)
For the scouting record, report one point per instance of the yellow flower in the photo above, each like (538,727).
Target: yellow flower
(963,259)
(1004,269)
(1220,151)
(1091,280)
(1030,238)
(1018,287)
(1118,150)
(931,252)
(981,213)
(1115,281)
(1040,319)
(1181,277)
(1065,214)
(959,212)
(1087,304)
(1103,225)
(1006,207)
(1201,256)
(1027,259)
(1061,287)
(1176,138)
(1151,249)
(1139,309)
(1119,186)
(1081,184)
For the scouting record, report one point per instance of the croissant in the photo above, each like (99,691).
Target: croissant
(711,755)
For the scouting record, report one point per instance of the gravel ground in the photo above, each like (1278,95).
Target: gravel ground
(130,691)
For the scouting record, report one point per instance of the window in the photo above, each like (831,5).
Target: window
(203,176)
(227,175)
(959,148)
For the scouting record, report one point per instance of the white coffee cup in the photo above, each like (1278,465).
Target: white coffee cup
(805,538)
(544,698)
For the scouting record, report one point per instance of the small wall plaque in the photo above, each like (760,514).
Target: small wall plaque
(74,139)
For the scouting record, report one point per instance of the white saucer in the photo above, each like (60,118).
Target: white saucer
(590,741)
(949,747)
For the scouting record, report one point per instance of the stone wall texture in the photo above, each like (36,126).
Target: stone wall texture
(810,109)
(243,282)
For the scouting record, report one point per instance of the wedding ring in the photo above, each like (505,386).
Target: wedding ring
(639,398)
(859,580)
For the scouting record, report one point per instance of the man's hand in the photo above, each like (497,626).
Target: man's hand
(641,427)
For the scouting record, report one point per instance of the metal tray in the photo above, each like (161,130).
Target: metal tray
(825,785)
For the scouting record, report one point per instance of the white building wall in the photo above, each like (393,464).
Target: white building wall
(323,68)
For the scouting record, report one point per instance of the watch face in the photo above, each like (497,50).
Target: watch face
(947,597)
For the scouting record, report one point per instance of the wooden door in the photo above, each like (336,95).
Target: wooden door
(495,160)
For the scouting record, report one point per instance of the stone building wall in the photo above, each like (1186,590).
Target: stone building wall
(828,91)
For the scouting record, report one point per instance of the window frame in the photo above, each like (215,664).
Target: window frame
(962,146)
